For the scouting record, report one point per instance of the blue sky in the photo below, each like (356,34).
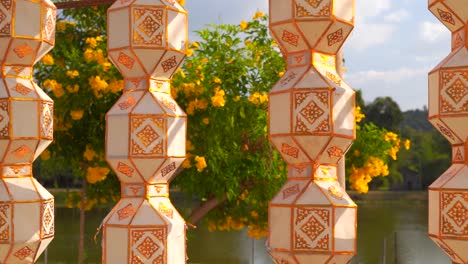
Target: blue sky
(395,43)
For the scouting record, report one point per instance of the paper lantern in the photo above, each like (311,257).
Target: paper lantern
(146,131)
(27,31)
(448,112)
(312,125)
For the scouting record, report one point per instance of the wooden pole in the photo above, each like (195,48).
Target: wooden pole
(82,224)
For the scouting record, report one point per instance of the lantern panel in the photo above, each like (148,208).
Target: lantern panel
(29,230)
(119,240)
(125,170)
(118,25)
(280,234)
(459,8)
(341,259)
(344,9)
(288,37)
(312,79)
(314,33)
(148,245)
(312,9)
(177,32)
(345,230)
(124,211)
(24,110)
(334,37)
(282,257)
(117,139)
(290,150)
(280,10)
(147,167)
(288,80)
(433,93)
(446,16)
(448,133)
(176,130)
(312,258)
(290,192)
(300,171)
(168,64)
(312,195)
(24,27)
(23,253)
(22,51)
(167,171)
(147,214)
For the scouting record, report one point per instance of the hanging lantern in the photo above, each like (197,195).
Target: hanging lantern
(146,131)
(27,31)
(448,112)
(312,219)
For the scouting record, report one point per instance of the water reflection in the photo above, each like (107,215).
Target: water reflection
(402,223)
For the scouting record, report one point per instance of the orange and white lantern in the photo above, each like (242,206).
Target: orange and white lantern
(448,112)
(146,131)
(312,124)
(27,33)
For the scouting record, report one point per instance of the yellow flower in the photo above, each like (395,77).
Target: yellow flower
(218,99)
(73,74)
(390,136)
(186,164)
(195,45)
(259,14)
(217,80)
(244,25)
(91,42)
(237,98)
(96,174)
(97,83)
(181,2)
(116,86)
(189,52)
(202,104)
(200,163)
(254,214)
(188,145)
(281,73)
(48,59)
(407,144)
(45,155)
(191,108)
(206,120)
(76,114)
(211,226)
(257,98)
(88,55)
(73,89)
(106,66)
(89,153)
(359,114)
(99,56)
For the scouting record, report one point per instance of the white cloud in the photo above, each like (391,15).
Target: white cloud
(394,75)
(371,8)
(432,32)
(397,16)
(368,35)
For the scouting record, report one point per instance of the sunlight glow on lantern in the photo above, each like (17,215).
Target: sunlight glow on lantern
(448,113)
(312,124)
(27,31)
(146,131)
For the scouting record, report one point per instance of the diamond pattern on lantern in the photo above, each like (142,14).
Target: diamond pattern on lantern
(48,227)
(22,89)
(23,253)
(290,38)
(48,31)
(313,8)
(335,37)
(126,60)
(446,16)
(454,91)
(454,212)
(23,50)
(126,212)
(149,26)
(47,121)
(4,118)
(5,219)
(149,245)
(311,231)
(125,169)
(5,17)
(311,112)
(147,135)
(22,151)
(169,64)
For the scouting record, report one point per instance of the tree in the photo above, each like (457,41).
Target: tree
(384,112)
(231,166)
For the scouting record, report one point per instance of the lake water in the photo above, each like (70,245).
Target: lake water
(398,224)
